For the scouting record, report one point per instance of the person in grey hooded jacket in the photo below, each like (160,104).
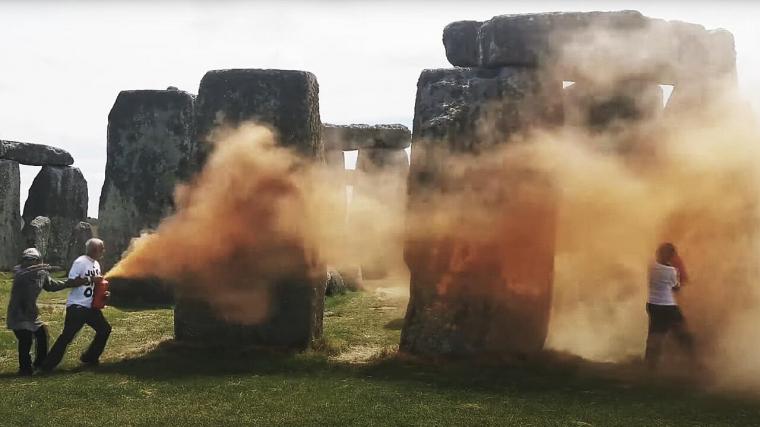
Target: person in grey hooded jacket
(29,279)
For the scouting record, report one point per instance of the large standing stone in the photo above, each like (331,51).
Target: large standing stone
(35,154)
(37,234)
(151,148)
(482,284)
(288,101)
(59,193)
(10,217)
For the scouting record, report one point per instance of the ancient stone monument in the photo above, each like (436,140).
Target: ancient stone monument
(60,194)
(288,101)
(10,217)
(36,234)
(491,293)
(53,159)
(151,148)
(379,185)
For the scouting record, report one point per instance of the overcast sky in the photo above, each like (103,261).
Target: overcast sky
(63,63)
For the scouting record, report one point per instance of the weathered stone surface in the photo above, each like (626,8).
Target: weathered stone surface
(612,108)
(286,100)
(295,320)
(461,42)
(151,148)
(10,217)
(357,136)
(532,39)
(481,286)
(34,154)
(352,277)
(335,284)
(81,233)
(36,234)
(151,292)
(576,45)
(59,193)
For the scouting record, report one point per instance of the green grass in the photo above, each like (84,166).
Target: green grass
(354,378)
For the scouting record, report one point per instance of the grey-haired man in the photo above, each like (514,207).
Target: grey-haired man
(79,311)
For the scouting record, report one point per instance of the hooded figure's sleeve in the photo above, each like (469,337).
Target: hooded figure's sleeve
(51,285)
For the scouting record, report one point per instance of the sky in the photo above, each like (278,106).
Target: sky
(63,63)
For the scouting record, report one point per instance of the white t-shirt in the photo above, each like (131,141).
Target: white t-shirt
(662,280)
(84,266)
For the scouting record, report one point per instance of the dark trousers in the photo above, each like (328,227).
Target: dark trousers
(25,338)
(664,319)
(76,317)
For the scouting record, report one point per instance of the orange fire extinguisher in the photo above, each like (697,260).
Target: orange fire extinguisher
(100,296)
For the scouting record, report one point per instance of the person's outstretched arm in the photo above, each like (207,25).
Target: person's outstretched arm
(53,285)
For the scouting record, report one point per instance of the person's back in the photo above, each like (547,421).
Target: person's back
(663,279)
(662,306)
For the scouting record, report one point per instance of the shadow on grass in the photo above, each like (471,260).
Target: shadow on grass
(549,372)
(395,324)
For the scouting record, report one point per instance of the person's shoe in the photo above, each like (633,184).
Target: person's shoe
(89,363)
(25,372)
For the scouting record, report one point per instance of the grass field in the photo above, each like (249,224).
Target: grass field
(354,378)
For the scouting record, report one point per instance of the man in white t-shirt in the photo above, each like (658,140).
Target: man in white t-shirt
(662,308)
(79,311)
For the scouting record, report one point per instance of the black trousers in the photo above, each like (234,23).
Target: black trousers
(25,338)
(76,317)
(664,319)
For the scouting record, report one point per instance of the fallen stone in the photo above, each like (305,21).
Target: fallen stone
(10,217)
(358,136)
(59,193)
(151,148)
(481,287)
(34,154)
(36,234)
(352,277)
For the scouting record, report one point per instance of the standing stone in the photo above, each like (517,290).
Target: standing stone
(36,234)
(59,193)
(482,285)
(10,217)
(35,154)
(287,101)
(81,233)
(151,148)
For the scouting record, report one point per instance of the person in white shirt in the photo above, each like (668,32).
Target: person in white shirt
(662,307)
(79,311)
